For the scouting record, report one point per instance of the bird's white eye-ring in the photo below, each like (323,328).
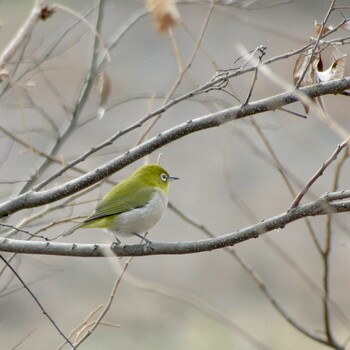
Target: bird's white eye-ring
(163,176)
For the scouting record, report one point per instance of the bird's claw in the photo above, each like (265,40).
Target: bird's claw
(148,246)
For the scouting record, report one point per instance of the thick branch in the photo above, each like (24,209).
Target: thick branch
(34,199)
(327,204)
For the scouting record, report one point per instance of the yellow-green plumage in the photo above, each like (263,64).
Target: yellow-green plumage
(134,205)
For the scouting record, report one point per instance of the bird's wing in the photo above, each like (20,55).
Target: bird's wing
(123,201)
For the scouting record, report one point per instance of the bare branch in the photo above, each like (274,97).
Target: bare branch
(107,306)
(319,173)
(37,301)
(315,45)
(183,70)
(326,300)
(32,199)
(256,279)
(40,11)
(329,203)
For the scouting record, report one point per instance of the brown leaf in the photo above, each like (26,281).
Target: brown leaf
(315,73)
(300,66)
(336,69)
(309,77)
(103,85)
(164,14)
(325,29)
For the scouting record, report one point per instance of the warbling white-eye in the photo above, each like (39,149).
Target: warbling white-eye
(134,205)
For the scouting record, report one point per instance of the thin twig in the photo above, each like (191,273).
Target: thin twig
(319,173)
(47,54)
(91,314)
(285,178)
(36,300)
(293,113)
(39,12)
(18,230)
(255,277)
(107,306)
(23,340)
(326,255)
(84,20)
(315,45)
(198,304)
(79,106)
(183,71)
(262,50)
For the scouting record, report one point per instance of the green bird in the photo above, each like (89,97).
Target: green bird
(134,205)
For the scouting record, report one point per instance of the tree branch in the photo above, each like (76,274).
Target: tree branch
(319,172)
(40,11)
(329,203)
(33,199)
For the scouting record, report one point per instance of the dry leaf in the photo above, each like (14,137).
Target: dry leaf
(164,14)
(300,66)
(314,72)
(103,86)
(336,69)
(310,76)
(325,29)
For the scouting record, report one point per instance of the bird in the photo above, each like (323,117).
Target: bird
(133,206)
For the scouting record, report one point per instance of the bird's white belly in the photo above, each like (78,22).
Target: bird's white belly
(140,220)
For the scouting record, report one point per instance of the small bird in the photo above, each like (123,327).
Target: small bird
(134,205)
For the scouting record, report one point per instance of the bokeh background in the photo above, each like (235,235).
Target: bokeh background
(228,181)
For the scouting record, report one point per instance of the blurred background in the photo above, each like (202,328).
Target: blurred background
(228,177)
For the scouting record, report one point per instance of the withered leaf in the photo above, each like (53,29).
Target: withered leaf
(164,14)
(103,86)
(310,77)
(336,69)
(325,29)
(301,65)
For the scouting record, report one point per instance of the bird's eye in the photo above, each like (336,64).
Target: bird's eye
(163,177)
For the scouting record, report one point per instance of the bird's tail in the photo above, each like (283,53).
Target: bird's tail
(71,230)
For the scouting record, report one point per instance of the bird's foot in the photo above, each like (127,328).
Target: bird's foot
(117,241)
(144,238)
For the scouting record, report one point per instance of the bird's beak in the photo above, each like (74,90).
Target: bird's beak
(171,178)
